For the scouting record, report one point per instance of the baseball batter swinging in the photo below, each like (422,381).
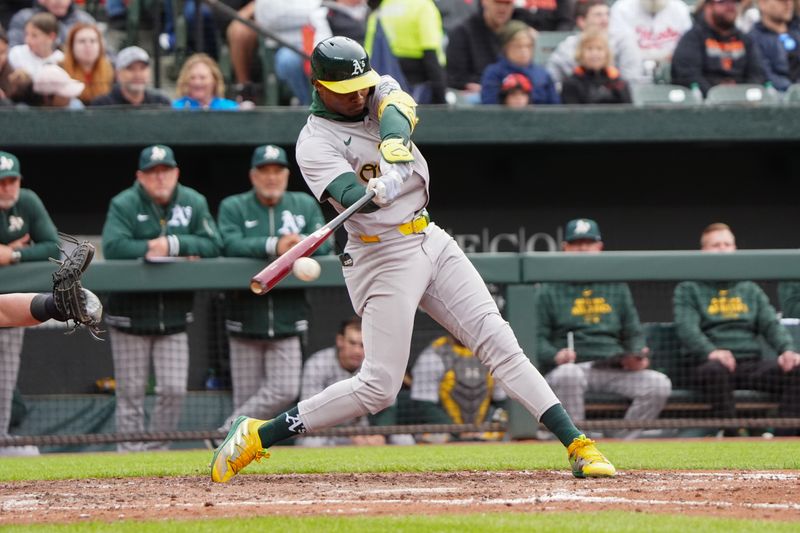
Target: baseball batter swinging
(358,137)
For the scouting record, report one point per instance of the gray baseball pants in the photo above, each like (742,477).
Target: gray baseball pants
(265,376)
(387,282)
(10,352)
(649,390)
(132,354)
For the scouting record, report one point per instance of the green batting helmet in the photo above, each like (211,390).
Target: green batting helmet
(342,65)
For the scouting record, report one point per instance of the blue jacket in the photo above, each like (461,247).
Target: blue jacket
(544,90)
(781,66)
(217,104)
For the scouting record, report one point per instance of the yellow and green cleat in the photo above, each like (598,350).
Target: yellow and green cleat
(238,450)
(587,461)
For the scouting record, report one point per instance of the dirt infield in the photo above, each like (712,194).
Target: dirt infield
(742,494)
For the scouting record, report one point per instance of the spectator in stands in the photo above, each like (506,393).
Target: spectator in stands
(594,15)
(475,44)
(590,340)
(132,67)
(85,60)
(337,363)
(413,31)
(778,40)
(200,86)
(264,331)
(518,42)
(516,90)
(55,88)
(302,24)
(40,45)
(27,234)
(719,324)
(595,80)
(715,52)
(66,13)
(348,18)
(159,220)
(5,66)
(242,45)
(454,12)
(449,385)
(550,15)
(657,25)
(8,8)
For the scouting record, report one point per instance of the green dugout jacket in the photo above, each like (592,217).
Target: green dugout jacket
(132,220)
(29,216)
(251,229)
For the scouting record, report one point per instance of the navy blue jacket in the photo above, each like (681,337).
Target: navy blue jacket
(781,65)
(543,92)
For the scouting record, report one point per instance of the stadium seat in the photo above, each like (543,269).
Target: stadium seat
(742,94)
(792,94)
(644,95)
(546,43)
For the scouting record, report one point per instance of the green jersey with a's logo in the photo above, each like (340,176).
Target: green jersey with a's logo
(727,315)
(601,316)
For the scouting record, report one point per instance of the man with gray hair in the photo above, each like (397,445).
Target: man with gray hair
(133,77)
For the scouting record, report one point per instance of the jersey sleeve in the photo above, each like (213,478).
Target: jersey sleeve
(320,163)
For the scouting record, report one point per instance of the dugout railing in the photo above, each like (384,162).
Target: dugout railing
(67,407)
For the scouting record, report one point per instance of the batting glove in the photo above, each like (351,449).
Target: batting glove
(396,157)
(387,188)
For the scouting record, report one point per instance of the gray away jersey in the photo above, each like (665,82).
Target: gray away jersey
(326,149)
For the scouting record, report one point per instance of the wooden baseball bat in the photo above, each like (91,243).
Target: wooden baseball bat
(265,280)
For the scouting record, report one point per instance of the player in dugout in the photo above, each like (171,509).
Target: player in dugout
(358,139)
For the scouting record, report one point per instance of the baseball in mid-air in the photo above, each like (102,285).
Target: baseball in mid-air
(306,269)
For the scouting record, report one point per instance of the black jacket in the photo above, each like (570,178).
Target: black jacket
(595,87)
(707,58)
(115,97)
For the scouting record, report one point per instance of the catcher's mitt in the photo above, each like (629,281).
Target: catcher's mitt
(71,299)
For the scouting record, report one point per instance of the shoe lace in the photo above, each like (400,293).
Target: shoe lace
(247,454)
(588,451)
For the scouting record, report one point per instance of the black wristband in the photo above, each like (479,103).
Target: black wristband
(43,308)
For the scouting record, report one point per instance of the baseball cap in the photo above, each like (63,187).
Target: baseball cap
(515,81)
(269,154)
(9,166)
(155,155)
(130,55)
(52,79)
(582,228)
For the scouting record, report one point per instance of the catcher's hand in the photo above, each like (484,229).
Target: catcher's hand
(72,300)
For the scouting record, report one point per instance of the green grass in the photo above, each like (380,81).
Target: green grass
(649,455)
(507,522)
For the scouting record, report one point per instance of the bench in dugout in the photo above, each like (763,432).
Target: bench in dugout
(667,357)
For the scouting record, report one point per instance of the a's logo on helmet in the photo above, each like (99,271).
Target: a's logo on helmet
(358,67)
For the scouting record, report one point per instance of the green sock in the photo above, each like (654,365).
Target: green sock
(558,421)
(281,428)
